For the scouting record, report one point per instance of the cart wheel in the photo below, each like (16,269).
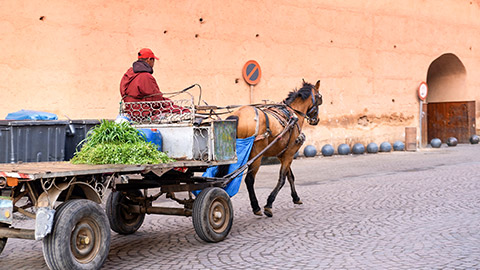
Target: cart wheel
(80,238)
(121,221)
(212,214)
(3,241)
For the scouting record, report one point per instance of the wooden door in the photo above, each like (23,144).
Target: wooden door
(451,119)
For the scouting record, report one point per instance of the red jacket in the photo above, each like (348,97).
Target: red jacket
(138,85)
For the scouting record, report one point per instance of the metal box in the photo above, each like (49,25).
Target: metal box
(76,132)
(32,141)
(212,142)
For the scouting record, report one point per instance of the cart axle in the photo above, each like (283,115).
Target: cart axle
(17,233)
(160,210)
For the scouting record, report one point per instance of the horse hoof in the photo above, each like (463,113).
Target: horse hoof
(268,212)
(298,202)
(258,213)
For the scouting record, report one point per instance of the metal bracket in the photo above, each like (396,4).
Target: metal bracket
(44,222)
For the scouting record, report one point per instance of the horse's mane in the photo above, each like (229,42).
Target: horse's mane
(303,92)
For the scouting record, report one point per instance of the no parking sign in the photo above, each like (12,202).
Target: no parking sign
(251,72)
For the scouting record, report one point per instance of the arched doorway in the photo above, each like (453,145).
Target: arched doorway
(450,111)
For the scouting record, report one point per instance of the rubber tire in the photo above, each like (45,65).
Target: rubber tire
(3,241)
(208,200)
(116,215)
(57,249)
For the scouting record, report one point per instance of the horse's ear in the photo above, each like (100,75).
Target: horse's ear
(303,80)
(317,85)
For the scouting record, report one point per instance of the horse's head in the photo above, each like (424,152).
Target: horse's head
(316,97)
(305,101)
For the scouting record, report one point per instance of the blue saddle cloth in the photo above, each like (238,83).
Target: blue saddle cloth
(244,147)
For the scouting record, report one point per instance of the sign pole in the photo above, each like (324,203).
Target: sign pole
(421,118)
(422,95)
(251,94)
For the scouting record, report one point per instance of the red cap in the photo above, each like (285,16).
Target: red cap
(146,53)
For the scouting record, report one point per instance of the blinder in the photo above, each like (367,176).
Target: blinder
(312,113)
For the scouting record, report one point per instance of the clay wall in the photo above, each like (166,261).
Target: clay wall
(67,57)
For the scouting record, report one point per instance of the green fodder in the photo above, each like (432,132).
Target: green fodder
(112,143)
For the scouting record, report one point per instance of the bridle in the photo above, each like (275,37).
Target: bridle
(312,112)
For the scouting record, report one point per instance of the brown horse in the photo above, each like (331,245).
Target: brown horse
(267,122)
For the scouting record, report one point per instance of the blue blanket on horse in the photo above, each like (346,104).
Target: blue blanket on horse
(244,147)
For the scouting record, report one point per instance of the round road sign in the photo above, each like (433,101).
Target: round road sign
(423,91)
(252,72)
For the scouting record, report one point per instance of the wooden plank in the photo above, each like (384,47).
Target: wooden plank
(424,125)
(38,170)
(471,119)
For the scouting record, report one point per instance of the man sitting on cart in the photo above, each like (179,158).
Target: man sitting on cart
(138,85)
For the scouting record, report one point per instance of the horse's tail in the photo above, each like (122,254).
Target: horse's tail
(223,169)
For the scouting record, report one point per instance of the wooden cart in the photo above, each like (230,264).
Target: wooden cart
(64,198)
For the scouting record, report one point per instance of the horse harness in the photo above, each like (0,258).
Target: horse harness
(284,115)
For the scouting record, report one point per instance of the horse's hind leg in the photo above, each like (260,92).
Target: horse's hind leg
(291,180)
(250,181)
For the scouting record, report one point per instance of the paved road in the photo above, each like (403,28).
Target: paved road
(400,210)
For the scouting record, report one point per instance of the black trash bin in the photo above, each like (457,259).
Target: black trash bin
(77,131)
(32,141)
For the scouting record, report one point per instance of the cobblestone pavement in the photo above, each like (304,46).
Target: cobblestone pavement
(402,210)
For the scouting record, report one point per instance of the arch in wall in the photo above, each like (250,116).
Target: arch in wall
(450,110)
(446,79)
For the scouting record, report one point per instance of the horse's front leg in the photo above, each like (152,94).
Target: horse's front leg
(285,168)
(291,180)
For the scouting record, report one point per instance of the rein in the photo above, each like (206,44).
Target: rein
(297,111)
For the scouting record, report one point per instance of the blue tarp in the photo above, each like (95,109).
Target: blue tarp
(31,115)
(244,147)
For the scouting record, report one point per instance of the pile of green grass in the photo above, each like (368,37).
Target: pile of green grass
(112,143)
